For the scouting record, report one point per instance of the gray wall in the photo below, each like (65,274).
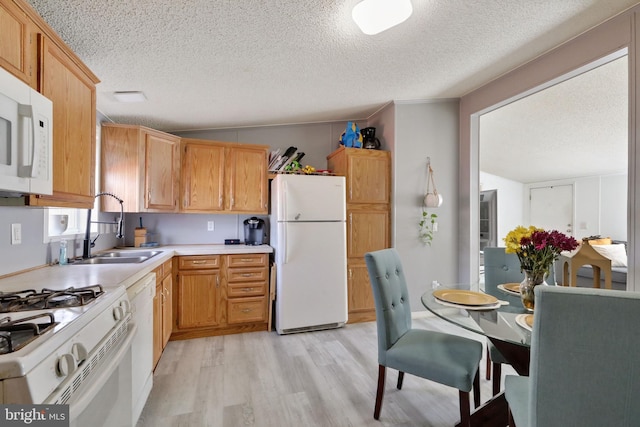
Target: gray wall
(33,252)
(421,130)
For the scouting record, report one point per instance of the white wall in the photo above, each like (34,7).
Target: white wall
(511,198)
(600,205)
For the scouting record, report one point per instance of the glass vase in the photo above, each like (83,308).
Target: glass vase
(532,278)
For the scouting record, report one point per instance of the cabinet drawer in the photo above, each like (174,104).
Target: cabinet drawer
(244,310)
(198,262)
(166,269)
(246,260)
(249,289)
(246,274)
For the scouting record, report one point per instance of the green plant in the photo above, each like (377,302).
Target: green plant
(426,227)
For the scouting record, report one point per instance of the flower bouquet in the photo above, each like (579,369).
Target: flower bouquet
(536,249)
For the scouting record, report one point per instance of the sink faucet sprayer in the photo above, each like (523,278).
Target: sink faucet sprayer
(88,243)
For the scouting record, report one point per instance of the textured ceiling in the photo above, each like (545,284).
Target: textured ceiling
(230,63)
(578,127)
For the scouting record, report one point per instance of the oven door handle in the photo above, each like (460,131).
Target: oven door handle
(76,407)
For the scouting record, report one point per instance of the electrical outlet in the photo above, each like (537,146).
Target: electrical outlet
(16,234)
(435,227)
(210,226)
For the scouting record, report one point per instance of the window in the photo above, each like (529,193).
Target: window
(67,222)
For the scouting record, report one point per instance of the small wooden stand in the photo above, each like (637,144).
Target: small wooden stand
(139,236)
(586,256)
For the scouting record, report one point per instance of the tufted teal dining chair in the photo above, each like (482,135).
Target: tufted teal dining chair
(444,358)
(578,331)
(499,268)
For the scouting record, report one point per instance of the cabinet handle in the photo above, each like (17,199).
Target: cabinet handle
(217,281)
(233,201)
(220,201)
(247,289)
(247,274)
(246,260)
(149,195)
(164,298)
(167,291)
(199,262)
(350,220)
(350,274)
(246,310)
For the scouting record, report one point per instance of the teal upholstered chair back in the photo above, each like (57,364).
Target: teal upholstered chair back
(501,267)
(584,367)
(391,298)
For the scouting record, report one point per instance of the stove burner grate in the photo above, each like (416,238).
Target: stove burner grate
(16,334)
(29,299)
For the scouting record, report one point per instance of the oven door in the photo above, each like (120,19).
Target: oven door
(104,397)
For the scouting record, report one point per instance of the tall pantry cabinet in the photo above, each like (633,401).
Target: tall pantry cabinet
(368,179)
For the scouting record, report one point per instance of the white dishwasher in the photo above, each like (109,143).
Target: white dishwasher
(141,296)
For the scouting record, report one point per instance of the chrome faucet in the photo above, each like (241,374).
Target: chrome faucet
(88,243)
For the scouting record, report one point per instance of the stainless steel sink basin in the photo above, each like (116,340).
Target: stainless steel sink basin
(127,254)
(119,257)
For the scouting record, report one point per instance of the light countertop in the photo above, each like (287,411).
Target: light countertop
(113,275)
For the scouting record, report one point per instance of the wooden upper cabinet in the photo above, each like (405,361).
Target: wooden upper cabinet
(247,179)
(140,166)
(162,163)
(223,177)
(15,42)
(73,94)
(202,177)
(368,173)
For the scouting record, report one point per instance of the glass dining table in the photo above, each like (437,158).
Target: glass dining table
(504,325)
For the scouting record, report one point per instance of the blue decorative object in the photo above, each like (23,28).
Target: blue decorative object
(351,136)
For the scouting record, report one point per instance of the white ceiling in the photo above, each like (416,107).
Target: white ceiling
(576,128)
(231,63)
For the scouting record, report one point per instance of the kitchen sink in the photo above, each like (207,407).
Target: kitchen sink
(119,257)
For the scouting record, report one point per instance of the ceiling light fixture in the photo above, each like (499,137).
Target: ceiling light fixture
(129,96)
(375,16)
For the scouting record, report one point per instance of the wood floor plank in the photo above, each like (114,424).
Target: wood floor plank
(324,378)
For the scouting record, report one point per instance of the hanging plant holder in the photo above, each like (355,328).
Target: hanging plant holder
(432,199)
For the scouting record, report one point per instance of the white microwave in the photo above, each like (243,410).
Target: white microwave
(26,139)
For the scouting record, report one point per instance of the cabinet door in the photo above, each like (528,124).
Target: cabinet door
(74,133)
(368,230)
(359,289)
(247,180)
(198,298)
(157,324)
(202,177)
(161,172)
(368,176)
(15,49)
(167,309)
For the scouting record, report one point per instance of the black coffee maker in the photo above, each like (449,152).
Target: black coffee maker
(253,231)
(369,139)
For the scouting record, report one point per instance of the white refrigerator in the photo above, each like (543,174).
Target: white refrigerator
(308,233)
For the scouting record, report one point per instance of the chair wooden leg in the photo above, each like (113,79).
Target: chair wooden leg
(465,409)
(382,370)
(487,370)
(400,378)
(476,389)
(497,377)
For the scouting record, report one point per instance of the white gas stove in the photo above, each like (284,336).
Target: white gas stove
(64,347)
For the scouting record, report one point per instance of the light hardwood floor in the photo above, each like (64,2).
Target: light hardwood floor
(324,378)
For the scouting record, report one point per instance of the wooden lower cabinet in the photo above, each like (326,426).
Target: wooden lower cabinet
(221,294)
(162,309)
(361,303)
